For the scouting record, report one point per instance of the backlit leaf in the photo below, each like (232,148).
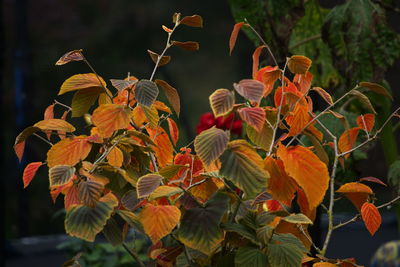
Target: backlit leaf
(147,184)
(200,229)
(221,102)
(173,130)
(121,85)
(163,147)
(19,145)
(74,55)
(146,92)
(373,180)
(162,107)
(154,56)
(347,140)
(252,90)
(241,164)
(89,192)
(61,175)
(172,95)
(310,173)
(299,64)
(151,114)
(85,222)
(165,191)
(303,81)
(68,151)
(234,34)
(261,138)
(325,264)
(363,99)
(159,221)
(357,193)
(49,112)
(210,144)
(371,217)
(366,122)
(250,256)
(280,185)
(189,45)
(30,172)
(54,124)
(81,81)
(324,94)
(83,100)
(376,88)
(71,197)
(297,218)
(115,157)
(299,118)
(172,170)
(254,116)
(256,59)
(110,117)
(192,21)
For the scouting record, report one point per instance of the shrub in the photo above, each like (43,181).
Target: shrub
(229,200)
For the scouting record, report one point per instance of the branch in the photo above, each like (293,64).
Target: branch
(262,41)
(63,105)
(98,77)
(43,139)
(133,254)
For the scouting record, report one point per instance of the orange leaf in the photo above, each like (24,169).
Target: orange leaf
(49,112)
(30,171)
(366,122)
(253,116)
(234,34)
(138,116)
(303,81)
(71,197)
(290,88)
(159,221)
(192,21)
(357,193)
(280,185)
(68,151)
(173,130)
(163,147)
(115,157)
(347,140)
(162,107)
(256,59)
(299,64)
(299,118)
(324,264)
(110,117)
(371,217)
(302,201)
(268,75)
(310,173)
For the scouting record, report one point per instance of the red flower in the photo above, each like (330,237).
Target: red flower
(207,120)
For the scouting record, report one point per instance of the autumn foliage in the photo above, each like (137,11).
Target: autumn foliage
(226,200)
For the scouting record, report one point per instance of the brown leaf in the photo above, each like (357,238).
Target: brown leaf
(256,59)
(189,45)
(74,55)
(154,56)
(299,64)
(172,95)
(377,89)
(192,21)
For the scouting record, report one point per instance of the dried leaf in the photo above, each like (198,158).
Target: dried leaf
(154,56)
(363,99)
(74,55)
(192,21)
(366,122)
(189,45)
(377,89)
(172,95)
(299,64)
(324,94)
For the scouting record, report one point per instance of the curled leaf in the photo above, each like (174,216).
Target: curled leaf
(74,55)
(299,64)
(377,89)
(234,34)
(163,60)
(192,21)
(189,45)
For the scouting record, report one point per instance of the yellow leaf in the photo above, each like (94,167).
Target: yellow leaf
(81,81)
(115,157)
(299,64)
(68,151)
(110,117)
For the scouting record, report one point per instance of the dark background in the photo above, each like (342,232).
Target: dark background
(115,36)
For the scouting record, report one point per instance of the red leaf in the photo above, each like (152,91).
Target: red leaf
(234,34)
(303,81)
(373,180)
(256,59)
(173,130)
(371,217)
(253,116)
(30,171)
(71,197)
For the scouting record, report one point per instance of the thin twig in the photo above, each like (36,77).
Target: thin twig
(43,139)
(98,77)
(309,39)
(262,41)
(63,105)
(133,254)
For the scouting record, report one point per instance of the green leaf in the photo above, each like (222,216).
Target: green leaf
(165,191)
(83,100)
(112,232)
(210,144)
(85,222)
(242,230)
(264,233)
(200,228)
(132,219)
(146,92)
(251,257)
(363,46)
(61,175)
(171,170)
(288,239)
(297,218)
(262,138)
(284,255)
(241,164)
(147,184)
(221,102)
(151,114)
